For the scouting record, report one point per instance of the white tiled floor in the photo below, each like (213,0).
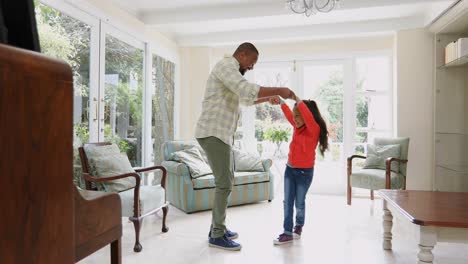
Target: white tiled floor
(334,233)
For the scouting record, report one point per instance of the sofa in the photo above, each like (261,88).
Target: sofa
(192,194)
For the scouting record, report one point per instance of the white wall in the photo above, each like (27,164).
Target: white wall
(414,58)
(195,67)
(196,64)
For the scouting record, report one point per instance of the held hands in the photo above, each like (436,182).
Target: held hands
(284,93)
(287,93)
(275,100)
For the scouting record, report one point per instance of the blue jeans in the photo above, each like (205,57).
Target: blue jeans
(296,184)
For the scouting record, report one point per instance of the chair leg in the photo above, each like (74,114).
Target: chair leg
(137,224)
(164,227)
(116,252)
(348,195)
(372,195)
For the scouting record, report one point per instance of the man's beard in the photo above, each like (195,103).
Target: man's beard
(242,71)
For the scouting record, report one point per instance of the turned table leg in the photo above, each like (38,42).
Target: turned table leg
(427,241)
(387,227)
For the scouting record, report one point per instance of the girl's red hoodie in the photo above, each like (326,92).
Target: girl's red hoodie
(305,139)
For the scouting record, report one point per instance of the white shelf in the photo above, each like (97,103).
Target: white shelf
(456,168)
(460,62)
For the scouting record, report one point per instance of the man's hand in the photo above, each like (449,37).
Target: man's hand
(287,93)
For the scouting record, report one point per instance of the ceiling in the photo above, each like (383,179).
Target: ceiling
(221,22)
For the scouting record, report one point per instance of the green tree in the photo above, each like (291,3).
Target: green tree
(329,97)
(277,135)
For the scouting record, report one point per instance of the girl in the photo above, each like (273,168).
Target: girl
(309,130)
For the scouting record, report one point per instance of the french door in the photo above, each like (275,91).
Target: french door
(120,97)
(329,83)
(354,96)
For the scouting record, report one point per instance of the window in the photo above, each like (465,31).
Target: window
(373,100)
(354,96)
(114,99)
(162,94)
(124,97)
(69,39)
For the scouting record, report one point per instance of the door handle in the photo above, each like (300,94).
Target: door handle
(96,113)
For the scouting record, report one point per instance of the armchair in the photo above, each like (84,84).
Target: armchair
(137,201)
(98,223)
(376,178)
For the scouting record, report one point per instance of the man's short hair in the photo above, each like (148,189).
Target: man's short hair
(246,47)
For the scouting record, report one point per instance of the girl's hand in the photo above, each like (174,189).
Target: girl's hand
(297,99)
(274,100)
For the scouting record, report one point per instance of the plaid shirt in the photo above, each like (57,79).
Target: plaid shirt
(226,88)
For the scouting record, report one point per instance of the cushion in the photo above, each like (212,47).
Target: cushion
(244,161)
(96,154)
(151,197)
(404,144)
(170,147)
(193,159)
(377,154)
(112,165)
(374,179)
(94,151)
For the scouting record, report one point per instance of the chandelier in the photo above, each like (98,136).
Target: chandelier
(310,7)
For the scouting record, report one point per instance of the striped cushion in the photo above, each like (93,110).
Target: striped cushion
(239,179)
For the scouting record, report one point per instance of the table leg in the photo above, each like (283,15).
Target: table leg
(387,227)
(427,241)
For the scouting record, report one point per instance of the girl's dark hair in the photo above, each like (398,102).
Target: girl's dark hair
(323,138)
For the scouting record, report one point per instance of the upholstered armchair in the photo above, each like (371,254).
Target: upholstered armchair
(106,169)
(384,168)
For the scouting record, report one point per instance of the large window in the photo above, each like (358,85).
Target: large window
(323,82)
(269,121)
(69,39)
(373,100)
(124,97)
(162,101)
(114,98)
(354,96)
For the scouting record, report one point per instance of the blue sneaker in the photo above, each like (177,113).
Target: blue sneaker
(230,234)
(224,243)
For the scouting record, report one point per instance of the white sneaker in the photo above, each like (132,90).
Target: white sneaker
(283,239)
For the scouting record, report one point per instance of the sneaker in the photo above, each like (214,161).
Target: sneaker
(283,239)
(224,243)
(297,232)
(230,234)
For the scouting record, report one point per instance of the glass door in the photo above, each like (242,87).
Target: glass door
(325,82)
(268,119)
(354,95)
(73,36)
(121,100)
(373,101)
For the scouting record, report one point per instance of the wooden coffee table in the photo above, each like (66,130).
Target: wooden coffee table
(438,216)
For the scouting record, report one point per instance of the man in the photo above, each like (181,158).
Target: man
(225,89)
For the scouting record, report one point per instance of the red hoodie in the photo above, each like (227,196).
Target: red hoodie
(304,140)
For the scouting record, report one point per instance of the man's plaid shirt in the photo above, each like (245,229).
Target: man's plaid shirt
(226,88)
